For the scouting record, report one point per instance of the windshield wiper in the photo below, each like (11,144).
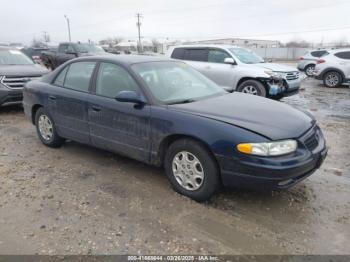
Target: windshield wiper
(183,101)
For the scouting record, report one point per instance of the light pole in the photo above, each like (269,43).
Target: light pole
(70,40)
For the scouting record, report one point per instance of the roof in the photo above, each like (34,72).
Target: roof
(127,59)
(208,45)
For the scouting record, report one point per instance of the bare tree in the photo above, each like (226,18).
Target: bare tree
(37,43)
(298,43)
(111,41)
(155,44)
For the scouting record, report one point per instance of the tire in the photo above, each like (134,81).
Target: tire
(252,87)
(207,173)
(332,79)
(309,70)
(48,136)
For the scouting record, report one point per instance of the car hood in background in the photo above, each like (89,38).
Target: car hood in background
(23,70)
(272,119)
(276,67)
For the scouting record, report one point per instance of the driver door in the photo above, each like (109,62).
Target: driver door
(120,127)
(217,70)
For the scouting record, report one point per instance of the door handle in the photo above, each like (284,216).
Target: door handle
(96,108)
(52,97)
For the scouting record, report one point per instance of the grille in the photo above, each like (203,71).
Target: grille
(17,82)
(292,75)
(312,141)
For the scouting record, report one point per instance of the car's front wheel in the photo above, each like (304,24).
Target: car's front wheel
(332,79)
(252,87)
(191,169)
(46,129)
(309,70)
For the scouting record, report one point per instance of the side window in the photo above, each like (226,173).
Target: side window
(196,55)
(59,81)
(62,48)
(318,53)
(343,55)
(112,79)
(70,48)
(79,75)
(217,56)
(178,53)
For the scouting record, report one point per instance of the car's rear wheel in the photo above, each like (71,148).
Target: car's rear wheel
(252,87)
(332,79)
(309,70)
(191,169)
(46,129)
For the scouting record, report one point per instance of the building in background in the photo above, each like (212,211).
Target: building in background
(249,43)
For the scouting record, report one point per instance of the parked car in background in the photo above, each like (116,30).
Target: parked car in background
(35,53)
(67,51)
(307,62)
(165,113)
(15,70)
(334,67)
(237,68)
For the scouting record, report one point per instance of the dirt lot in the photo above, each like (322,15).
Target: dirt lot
(81,200)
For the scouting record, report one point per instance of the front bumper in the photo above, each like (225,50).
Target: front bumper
(10,96)
(284,87)
(274,172)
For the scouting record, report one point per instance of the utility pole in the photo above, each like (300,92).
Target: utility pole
(138,24)
(46,37)
(70,39)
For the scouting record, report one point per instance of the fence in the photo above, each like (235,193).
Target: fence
(280,53)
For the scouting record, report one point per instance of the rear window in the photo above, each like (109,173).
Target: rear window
(318,53)
(196,55)
(343,55)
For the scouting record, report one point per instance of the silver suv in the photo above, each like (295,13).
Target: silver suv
(307,62)
(237,68)
(334,67)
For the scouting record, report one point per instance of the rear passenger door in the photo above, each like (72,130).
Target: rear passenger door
(118,126)
(68,100)
(195,57)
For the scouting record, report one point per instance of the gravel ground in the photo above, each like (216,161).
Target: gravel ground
(81,200)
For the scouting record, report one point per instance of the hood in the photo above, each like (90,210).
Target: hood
(23,70)
(272,119)
(276,67)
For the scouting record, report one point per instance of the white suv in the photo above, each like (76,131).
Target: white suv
(240,69)
(334,67)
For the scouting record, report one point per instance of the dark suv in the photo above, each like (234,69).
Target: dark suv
(16,69)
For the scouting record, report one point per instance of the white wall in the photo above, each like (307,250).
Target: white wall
(281,53)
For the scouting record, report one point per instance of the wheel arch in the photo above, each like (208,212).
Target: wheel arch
(333,69)
(246,78)
(35,109)
(168,140)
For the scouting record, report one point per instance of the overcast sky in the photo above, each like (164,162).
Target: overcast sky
(21,20)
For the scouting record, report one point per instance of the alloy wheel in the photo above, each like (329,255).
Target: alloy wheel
(332,79)
(250,90)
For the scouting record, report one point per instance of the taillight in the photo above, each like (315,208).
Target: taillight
(320,61)
(301,58)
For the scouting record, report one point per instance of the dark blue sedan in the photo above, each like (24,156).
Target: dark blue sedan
(165,113)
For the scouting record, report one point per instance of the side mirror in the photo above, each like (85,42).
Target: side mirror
(130,97)
(229,60)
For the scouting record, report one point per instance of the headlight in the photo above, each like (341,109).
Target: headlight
(268,149)
(275,74)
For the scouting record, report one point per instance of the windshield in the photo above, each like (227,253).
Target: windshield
(87,48)
(14,57)
(246,56)
(173,82)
